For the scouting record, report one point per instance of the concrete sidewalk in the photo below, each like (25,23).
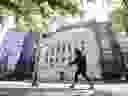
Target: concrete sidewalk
(54,89)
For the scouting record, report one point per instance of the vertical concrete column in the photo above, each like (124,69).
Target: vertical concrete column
(101,15)
(99,3)
(93,55)
(84,4)
(52,24)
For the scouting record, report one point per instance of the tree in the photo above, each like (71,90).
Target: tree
(125,3)
(120,18)
(32,15)
(125,15)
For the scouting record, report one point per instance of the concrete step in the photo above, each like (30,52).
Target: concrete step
(117,89)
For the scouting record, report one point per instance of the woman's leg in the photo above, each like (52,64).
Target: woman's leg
(88,79)
(76,78)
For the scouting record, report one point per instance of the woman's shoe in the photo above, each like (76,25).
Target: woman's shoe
(91,87)
(72,86)
(35,83)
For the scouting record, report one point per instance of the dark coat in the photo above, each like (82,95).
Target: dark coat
(115,65)
(118,65)
(80,61)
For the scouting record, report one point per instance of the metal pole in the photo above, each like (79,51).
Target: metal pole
(36,66)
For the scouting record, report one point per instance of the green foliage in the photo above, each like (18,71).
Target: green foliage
(117,25)
(32,15)
(120,18)
(125,3)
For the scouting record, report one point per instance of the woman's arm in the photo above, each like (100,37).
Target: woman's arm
(75,61)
